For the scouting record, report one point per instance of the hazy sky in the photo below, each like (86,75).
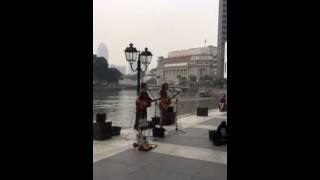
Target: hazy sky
(160,25)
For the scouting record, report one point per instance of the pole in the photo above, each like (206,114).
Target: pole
(138,83)
(138,74)
(176,120)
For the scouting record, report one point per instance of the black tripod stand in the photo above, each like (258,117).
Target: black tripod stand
(176,130)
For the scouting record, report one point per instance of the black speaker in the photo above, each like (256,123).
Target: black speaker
(169,118)
(156,120)
(211,132)
(101,118)
(202,111)
(102,131)
(116,130)
(158,132)
(219,140)
(151,124)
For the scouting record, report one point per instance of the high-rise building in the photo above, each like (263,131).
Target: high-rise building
(222,36)
(102,51)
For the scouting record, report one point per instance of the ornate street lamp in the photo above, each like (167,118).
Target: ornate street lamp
(133,55)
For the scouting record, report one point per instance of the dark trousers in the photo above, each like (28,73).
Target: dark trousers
(140,115)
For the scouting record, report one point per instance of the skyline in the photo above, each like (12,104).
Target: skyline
(160,25)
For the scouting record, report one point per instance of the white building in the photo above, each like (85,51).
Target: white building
(198,62)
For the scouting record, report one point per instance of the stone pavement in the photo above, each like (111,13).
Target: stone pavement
(186,156)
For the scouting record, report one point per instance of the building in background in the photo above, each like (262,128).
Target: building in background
(197,62)
(151,74)
(225,60)
(222,35)
(102,51)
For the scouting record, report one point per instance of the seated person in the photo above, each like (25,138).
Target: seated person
(220,136)
(222,103)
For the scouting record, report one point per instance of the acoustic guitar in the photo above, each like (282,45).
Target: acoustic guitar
(143,104)
(165,102)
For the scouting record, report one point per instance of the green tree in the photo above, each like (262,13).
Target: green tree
(102,72)
(101,68)
(193,81)
(193,78)
(205,81)
(220,83)
(133,77)
(209,78)
(114,76)
(151,81)
(182,81)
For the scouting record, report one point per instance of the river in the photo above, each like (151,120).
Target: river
(120,106)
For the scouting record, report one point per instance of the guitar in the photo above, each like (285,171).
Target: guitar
(165,102)
(143,104)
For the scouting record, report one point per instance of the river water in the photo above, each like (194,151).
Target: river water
(120,106)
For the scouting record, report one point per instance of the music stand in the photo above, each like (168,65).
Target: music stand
(176,130)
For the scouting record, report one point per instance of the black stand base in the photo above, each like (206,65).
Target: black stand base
(176,131)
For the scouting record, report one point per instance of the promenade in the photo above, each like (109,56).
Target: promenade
(179,156)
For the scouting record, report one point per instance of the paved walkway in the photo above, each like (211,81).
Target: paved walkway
(185,156)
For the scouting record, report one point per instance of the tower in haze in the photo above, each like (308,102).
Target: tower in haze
(222,36)
(102,51)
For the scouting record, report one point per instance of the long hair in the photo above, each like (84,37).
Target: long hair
(163,92)
(163,85)
(142,85)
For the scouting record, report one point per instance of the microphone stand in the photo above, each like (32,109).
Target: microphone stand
(176,130)
(155,103)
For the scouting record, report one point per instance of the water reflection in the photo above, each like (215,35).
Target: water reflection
(120,106)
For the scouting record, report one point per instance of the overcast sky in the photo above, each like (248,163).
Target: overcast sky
(160,25)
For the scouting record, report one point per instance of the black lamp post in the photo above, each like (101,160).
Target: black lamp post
(132,55)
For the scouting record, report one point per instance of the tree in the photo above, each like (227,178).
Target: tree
(193,80)
(205,81)
(182,81)
(114,75)
(103,73)
(220,83)
(101,68)
(133,77)
(152,71)
(151,81)
(209,78)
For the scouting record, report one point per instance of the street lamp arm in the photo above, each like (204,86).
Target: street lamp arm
(134,70)
(145,68)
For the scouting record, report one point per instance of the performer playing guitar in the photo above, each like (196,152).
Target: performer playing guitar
(142,103)
(165,101)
